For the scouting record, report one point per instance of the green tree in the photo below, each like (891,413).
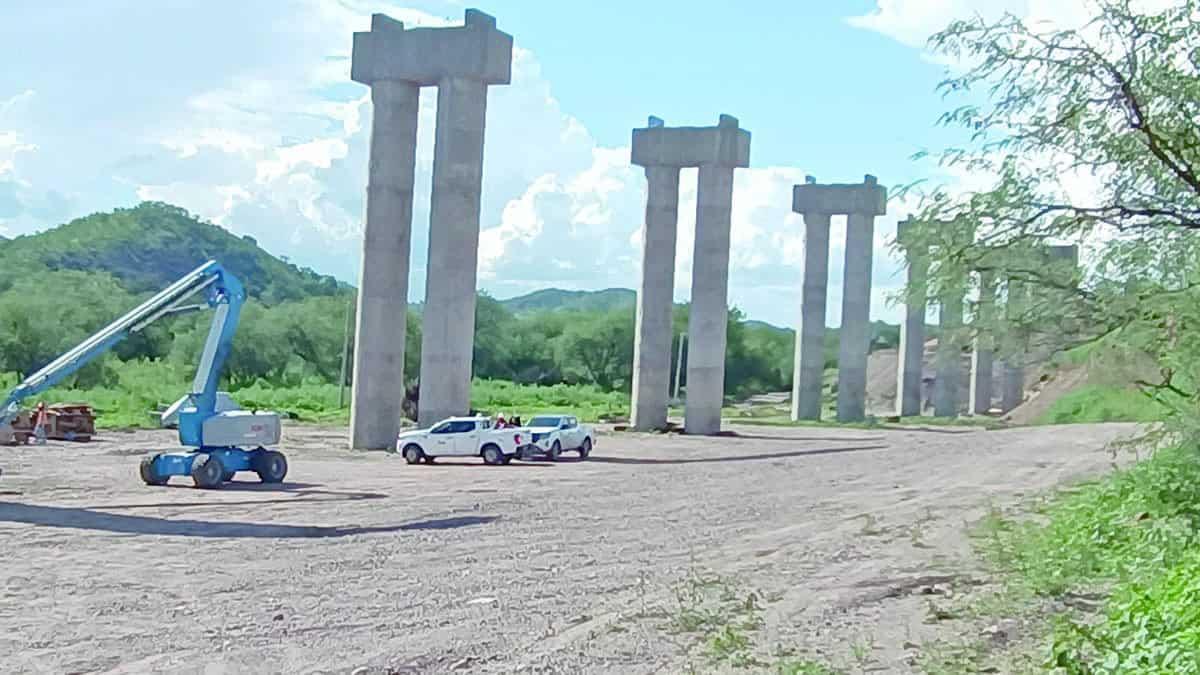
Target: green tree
(598,348)
(1112,106)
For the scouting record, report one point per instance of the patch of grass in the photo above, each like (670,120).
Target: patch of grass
(1119,559)
(955,658)
(131,391)
(1148,627)
(720,621)
(804,667)
(584,401)
(1130,526)
(722,617)
(1099,403)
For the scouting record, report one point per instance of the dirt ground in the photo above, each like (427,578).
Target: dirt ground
(363,564)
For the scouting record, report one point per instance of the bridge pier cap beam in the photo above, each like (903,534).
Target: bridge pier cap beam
(426,56)
(867,198)
(723,145)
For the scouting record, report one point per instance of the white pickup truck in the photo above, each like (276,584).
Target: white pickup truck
(551,435)
(460,437)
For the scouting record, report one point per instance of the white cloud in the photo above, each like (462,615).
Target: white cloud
(269,138)
(911,22)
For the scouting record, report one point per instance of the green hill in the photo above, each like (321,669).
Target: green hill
(753,323)
(551,299)
(147,247)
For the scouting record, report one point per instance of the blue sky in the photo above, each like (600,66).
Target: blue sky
(243,113)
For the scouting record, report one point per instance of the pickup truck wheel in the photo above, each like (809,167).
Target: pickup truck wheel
(586,448)
(413,453)
(492,454)
(555,451)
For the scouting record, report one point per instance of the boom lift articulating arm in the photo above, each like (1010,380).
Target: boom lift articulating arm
(215,437)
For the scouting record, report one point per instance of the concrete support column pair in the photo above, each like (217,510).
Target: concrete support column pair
(948,366)
(1058,261)
(462,62)
(860,203)
(662,150)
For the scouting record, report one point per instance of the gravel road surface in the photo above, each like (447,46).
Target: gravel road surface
(360,563)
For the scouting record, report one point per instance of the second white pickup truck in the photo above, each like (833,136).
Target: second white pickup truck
(460,437)
(550,435)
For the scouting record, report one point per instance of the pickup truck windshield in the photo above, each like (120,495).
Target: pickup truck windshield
(545,421)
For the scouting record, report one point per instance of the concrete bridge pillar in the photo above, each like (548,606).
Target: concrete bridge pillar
(462,61)
(663,150)
(911,361)
(861,203)
(983,354)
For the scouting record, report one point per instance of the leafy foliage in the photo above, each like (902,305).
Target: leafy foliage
(1097,403)
(1089,137)
(1138,531)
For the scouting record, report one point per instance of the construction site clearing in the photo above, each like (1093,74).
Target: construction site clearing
(360,563)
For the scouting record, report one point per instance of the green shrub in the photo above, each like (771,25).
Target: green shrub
(1095,403)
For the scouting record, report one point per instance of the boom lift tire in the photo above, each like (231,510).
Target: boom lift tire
(271,466)
(149,474)
(207,470)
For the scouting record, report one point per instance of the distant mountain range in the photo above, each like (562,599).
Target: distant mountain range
(559,299)
(151,245)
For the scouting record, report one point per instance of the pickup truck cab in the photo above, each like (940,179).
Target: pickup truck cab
(551,435)
(460,437)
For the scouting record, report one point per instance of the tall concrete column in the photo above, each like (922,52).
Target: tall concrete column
(461,61)
(1012,392)
(448,316)
(912,331)
(982,356)
(653,328)
(378,387)
(946,396)
(856,318)
(808,370)
(709,315)
(717,151)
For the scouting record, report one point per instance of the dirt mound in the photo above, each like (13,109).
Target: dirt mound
(883,367)
(1046,391)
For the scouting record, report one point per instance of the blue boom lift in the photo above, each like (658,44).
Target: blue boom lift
(217,438)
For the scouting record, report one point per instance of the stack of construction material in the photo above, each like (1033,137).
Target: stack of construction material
(64,422)
(71,422)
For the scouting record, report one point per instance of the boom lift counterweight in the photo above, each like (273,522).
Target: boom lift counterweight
(217,439)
